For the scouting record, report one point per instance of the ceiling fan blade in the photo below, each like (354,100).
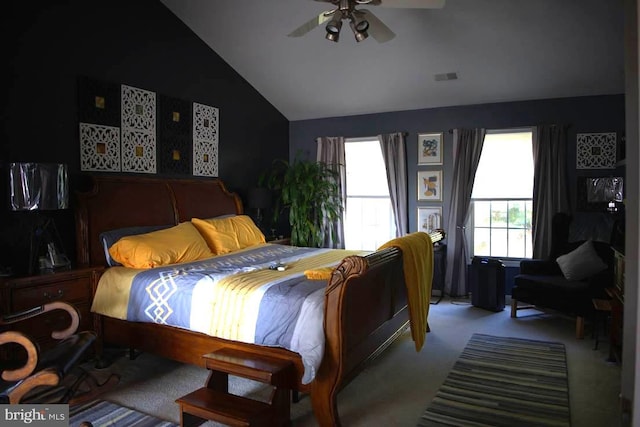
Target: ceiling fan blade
(312,23)
(377,29)
(408,4)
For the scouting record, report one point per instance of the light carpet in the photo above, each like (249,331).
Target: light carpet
(396,387)
(502,381)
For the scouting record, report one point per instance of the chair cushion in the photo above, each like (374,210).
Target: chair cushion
(549,283)
(554,292)
(581,263)
(540,267)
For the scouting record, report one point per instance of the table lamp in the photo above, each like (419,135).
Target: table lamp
(36,187)
(259,199)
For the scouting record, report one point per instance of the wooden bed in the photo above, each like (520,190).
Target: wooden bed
(365,299)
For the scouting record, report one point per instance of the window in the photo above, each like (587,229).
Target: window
(369,218)
(501,205)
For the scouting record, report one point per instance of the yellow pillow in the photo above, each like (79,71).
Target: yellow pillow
(229,234)
(218,233)
(247,231)
(181,243)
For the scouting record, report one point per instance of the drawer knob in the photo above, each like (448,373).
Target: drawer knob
(49,296)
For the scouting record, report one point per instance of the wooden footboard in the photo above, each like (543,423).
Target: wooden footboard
(365,310)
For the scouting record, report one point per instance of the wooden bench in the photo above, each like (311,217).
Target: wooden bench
(214,402)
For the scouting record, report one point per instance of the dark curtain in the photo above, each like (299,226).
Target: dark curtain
(395,160)
(467,147)
(550,190)
(331,152)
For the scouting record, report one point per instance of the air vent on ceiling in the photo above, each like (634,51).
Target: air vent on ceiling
(446,76)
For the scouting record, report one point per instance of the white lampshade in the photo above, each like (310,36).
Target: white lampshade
(38,186)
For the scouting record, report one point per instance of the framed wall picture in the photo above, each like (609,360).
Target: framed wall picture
(430,185)
(429,218)
(430,148)
(594,194)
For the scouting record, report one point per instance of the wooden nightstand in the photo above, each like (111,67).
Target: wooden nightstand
(73,286)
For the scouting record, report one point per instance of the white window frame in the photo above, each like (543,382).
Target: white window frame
(369,139)
(470,227)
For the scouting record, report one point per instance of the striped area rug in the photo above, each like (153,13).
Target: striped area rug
(103,413)
(500,381)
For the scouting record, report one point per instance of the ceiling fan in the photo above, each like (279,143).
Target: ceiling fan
(362,21)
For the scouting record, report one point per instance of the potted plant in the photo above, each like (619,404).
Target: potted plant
(309,191)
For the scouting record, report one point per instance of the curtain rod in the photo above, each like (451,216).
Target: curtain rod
(569,125)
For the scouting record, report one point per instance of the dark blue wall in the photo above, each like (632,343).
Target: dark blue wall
(47,45)
(583,114)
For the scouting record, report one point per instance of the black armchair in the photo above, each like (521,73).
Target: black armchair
(542,283)
(43,371)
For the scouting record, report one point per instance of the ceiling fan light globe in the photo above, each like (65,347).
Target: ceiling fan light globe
(334,26)
(332,36)
(362,25)
(359,30)
(361,35)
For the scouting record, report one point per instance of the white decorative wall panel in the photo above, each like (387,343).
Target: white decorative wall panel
(138,130)
(205,122)
(99,148)
(205,158)
(205,140)
(138,152)
(138,109)
(596,150)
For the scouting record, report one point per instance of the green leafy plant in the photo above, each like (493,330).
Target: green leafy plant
(310,192)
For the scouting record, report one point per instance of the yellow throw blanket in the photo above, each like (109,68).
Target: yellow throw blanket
(417,264)
(322,273)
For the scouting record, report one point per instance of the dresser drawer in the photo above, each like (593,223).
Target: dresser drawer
(18,294)
(40,327)
(73,290)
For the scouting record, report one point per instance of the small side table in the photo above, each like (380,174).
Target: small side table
(603,310)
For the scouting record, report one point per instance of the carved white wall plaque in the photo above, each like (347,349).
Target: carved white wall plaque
(138,151)
(99,148)
(205,140)
(205,158)
(138,130)
(596,150)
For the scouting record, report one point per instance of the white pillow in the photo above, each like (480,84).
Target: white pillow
(581,263)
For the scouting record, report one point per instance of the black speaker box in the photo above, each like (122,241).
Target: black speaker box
(487,283)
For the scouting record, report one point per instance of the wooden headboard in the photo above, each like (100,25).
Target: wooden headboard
(118,202)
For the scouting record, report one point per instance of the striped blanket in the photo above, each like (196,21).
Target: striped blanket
(234,296)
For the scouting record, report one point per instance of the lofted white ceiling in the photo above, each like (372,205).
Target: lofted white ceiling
(501,50)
